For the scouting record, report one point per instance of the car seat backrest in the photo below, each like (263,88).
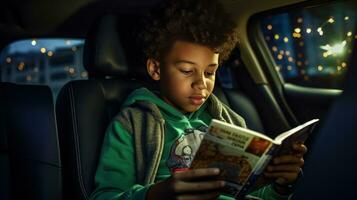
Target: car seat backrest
(85,108)
(32,140)
(4,151)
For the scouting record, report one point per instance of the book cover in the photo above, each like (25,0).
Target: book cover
(242,154)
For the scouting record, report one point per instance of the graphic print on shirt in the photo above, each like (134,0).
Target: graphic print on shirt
(184,149)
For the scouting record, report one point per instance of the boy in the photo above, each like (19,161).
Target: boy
(150,144)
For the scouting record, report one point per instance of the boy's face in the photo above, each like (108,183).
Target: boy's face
(186,76)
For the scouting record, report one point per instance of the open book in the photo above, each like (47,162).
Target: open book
(243,154)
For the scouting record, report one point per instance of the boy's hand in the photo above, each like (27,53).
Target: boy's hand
(286,168)
(188,185)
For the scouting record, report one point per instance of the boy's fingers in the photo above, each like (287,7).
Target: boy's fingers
(184,187)
(283,168)
(288,159)
(195,173)
(300,148)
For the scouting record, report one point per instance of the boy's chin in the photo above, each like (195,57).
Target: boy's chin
(191,109)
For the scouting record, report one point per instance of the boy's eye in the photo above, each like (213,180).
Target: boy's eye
(210,73)
(186,72)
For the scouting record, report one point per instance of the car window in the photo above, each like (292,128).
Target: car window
(312,46)
(51,62)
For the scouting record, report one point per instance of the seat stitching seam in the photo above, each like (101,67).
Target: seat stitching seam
(76,146)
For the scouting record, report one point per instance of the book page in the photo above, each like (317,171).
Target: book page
(298,134)
(297,130)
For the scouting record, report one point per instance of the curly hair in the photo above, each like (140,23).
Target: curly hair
(199,21)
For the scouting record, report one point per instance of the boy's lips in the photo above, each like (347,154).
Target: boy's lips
(197,99)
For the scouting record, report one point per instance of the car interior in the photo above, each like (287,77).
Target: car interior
(50,145)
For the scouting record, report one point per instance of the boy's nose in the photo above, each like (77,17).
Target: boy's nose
(200,82)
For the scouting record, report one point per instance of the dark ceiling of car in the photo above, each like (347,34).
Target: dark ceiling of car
(71,18)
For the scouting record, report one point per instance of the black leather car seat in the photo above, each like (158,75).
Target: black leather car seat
(31,142)
(86,107)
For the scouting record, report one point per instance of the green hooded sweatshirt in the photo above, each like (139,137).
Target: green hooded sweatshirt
(126,172)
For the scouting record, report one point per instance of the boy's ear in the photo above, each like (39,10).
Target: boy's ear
(153,67)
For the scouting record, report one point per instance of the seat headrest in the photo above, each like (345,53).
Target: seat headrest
(103,52)
(111,47)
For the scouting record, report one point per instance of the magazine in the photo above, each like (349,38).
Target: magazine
(242,154)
